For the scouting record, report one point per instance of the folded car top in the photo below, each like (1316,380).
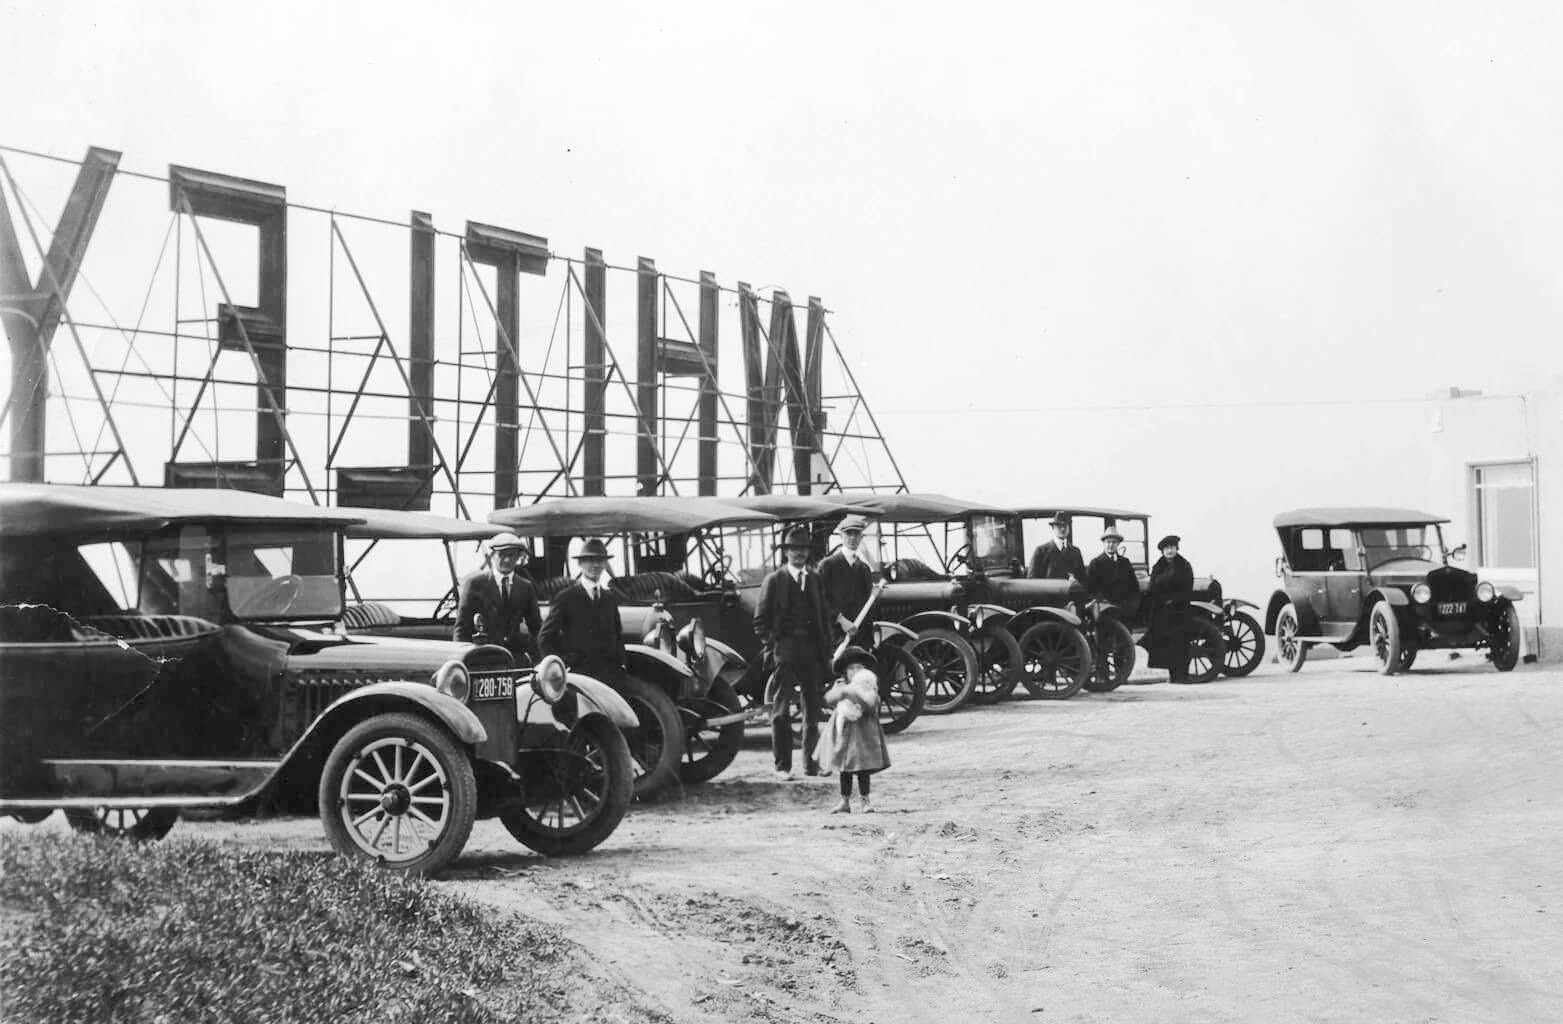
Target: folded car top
(911,507)
(28,510)
(595,516)
(391,524)
(1363,516)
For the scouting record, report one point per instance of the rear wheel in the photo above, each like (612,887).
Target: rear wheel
(1384,638)
(398,790)
(1207,651)
(1505,643)
(1245,644)
(1114,656)
(950,665)
(1291,651)
(134,823)
(709,750)
(902,687)
(1056,660)
(588,788)
(998,664)
(657,743)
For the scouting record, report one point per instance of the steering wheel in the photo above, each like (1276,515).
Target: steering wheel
(1425,553)
(278,596)
(960,556)
(447,605)
(717,571)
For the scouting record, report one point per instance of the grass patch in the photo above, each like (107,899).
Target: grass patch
(94,930)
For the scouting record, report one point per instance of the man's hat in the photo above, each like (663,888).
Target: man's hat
(852,523)
(1112,531)
(1170,538)
(501,541)
(593,548)
(797,537)
(853,655)
(1059,519)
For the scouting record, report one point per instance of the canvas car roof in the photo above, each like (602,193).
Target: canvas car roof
(595,516)
(1364,516)
(911,507)
(35,510)
(392,524)
(796,506)
(1032,511)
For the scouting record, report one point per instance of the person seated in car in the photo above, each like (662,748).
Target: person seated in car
(502,599)
(1058,559)
(1110,576)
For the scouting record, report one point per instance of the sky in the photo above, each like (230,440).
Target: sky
(1171,256)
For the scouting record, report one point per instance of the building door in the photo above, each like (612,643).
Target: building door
(1505,543)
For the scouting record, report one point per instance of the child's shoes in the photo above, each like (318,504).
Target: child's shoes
(868,808)
(843,806)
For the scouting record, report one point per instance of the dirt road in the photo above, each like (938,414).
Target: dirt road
(1330,846)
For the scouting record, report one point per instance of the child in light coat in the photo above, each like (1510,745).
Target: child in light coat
(853,743)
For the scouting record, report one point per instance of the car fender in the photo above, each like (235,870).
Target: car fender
(982,614)
(732,658)
(1512,593)
(455,715)
(640,654)
(1297,597)
(891,633)
(1212,610)
(1230,606)
(937,620)
(1029,617)
(601,697)
(1394,596)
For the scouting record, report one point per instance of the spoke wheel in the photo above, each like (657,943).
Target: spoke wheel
(398,790)
(998,664)
(1407,657)
(1207,651)
(134,823)
(950,665)
(1245,644)
(902,687)
(589,785)
(708,750)
(1113,658)
(1288,648)
(657,743)
(1056,659)
(1384,638)
(1505,643)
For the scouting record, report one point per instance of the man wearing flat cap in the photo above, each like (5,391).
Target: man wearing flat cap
(846,576)
(790,620)
(583,622)
(499,602)
(1110,576)
(1058,559)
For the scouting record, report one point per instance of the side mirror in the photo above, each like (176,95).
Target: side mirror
(1458,554)
(1279,562)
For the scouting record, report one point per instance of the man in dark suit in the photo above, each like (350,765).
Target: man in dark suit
(846,576)
(1110,576)
(503,596)
(1058,559)
(790,620)
(583,623)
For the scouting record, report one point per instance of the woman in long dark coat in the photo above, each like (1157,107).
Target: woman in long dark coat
(1171,586)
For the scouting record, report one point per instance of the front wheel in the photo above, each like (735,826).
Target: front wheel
(586,789)
(1056,659)
(1288,648)
(1384,638)
(1245,644)
(657,743)
(950,665)
(1114,656)
(1207,651)
(398,790)
(998,664)
(902,688)
(709,750)
(1505,643)
(133,823)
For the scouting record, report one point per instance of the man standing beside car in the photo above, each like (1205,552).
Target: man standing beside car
(583,623)
(846,576)
(1058,559)
(501,598)
(1110,576)
(790,620)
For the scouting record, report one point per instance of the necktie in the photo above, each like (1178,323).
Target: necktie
(504,589)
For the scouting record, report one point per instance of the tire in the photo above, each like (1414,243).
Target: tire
(1384,638)
(1245,645)
(1207,651)
(998,664)
(1407,657)
(950,667)
(708,751)
(380,779)
(138,824)
(1505,643)
(1291,652)
(1056,658)
(589,791)
(31,817)
(902,688)
(657,743)
(1112,656)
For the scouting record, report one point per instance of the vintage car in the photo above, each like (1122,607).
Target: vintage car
(1381,576)
(168,650)
(1227,641)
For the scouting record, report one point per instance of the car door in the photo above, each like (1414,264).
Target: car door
(1347,577)
(1310,563)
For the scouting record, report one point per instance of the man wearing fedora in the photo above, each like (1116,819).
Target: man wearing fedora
(1110,576)
(499,602)
(583,623)
(846,576)
(790,620)
(1058,559)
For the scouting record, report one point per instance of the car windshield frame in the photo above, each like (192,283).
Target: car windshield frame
(1403,549)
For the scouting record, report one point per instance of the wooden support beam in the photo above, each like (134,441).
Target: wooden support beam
(754,382)
(647,473)
(420,340)
(710,299)
(594,462)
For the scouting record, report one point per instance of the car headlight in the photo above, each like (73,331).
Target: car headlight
(1485,591)
(453,680)
(548,679)
(692,639)
(1421,593)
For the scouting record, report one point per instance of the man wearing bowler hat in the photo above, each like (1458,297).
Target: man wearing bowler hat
(847,577)
(790,620)
(1110,576)
(583,623)
(1058,559)
(499,603)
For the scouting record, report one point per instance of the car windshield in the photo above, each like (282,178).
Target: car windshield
(995,543)
(1382,544)
(282,574)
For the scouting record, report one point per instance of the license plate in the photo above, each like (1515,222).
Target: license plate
(1451,607)
(493,688)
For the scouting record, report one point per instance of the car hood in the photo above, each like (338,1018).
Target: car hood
(314,650)
(1407,572)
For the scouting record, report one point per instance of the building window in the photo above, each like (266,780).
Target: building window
(1505,501)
